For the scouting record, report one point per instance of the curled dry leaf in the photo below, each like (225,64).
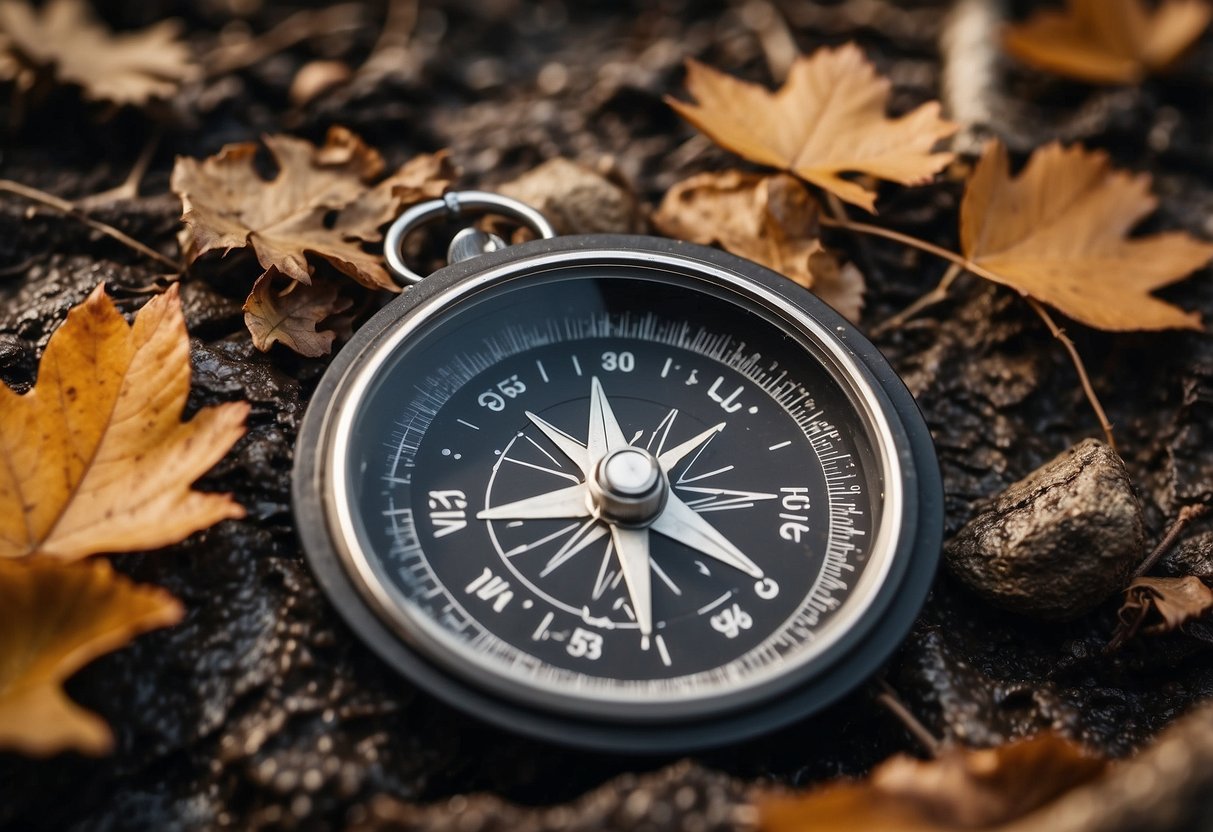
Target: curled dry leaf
(1058,231)
(290,314)
(65,40)
(771,220)
(324,201)
(54,619)
(96,458)
(827,119)
(962,789)
(1176,601)
(1108,41)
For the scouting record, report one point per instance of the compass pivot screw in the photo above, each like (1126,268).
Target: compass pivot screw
(628,487)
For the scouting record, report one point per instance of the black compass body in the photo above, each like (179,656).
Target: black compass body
(620,492)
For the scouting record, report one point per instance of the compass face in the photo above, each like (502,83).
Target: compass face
(613,492)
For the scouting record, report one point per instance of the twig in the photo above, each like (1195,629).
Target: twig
(295,29)
(68,209)
(892,702)
(1125,630)
(1076,359)
(905,239)
(936,295)
(129,189)
(1186,515)
(863,251)
(980,271)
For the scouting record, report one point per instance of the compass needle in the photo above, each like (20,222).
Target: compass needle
(570,447)
(605,434)
(682,523)
(632,546)
(567,502)
(677,454)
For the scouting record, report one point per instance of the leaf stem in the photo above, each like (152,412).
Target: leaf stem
(68,209)
(892,702)
(968,265)
(1076,359)
(936,295)
(1186,515)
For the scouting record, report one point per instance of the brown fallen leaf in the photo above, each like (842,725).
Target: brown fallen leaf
(290,314)
(962,789)
(322,202)
(55,618)
(1108,41)
(1175,600)
(771,220)
(1058,231)
(65,40)
(827,119)
(96,458)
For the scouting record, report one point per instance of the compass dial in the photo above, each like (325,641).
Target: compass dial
(613,492)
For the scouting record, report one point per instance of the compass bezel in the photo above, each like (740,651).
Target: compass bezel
(912,554)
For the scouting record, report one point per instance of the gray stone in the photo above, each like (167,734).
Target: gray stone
(1058,542)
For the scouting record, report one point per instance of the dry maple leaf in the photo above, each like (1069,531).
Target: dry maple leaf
(1108,41)
(1176,601)
(54,619)
(829,118)
(1057,232)
(95,458)
(65,39)
(961,789)
(771,220)
(289,315)
(321,202)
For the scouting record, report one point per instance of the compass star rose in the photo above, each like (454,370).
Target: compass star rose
(627,489)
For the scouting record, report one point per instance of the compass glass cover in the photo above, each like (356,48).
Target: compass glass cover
(611,487)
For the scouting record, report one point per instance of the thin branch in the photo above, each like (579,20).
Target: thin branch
(301,26)
(1186,515)
(905,239)
(68,209)
(863,251)
(980,271)
(129,189)
(892,702)
(936,295)
(1076,359)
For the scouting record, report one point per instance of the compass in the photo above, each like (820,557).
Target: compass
(618,492)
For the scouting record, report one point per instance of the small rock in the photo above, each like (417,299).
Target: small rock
(577,200)
(1058,542)
(1193,556)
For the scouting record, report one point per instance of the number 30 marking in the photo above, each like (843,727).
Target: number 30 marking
(624,362)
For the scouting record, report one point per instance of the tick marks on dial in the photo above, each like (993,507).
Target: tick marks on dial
(662,650)
(543,374)
(466,423)
(779,445)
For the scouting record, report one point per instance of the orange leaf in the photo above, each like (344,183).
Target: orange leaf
(95,458)
(290,316)
(962,789)
(771,220)
(1108,41)
(1057,232)
(322,202)
(65,39)
(829,118)
(54,619)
